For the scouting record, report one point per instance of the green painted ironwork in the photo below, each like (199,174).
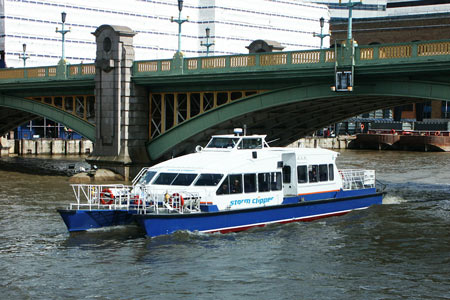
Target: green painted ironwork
(414,89)
(383,56)
(79,125)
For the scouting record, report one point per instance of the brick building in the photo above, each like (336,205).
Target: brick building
(403,21)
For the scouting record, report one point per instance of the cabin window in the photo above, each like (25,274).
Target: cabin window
(235,184)
(275,181)
(250,183)
(175,179)
(147,177)
(264,182)
(208,179)
(231,185)
(287,174)
(313,173)
(331,172)
(224,188)
(184,179)
(165,178)
(302,172)
(222,142)
(323,172)
(250,143)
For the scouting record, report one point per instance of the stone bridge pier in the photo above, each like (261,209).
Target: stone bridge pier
(121,106)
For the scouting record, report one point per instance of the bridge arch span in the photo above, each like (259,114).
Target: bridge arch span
(31,107)
(290,113)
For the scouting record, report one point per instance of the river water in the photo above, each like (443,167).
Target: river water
(398,250)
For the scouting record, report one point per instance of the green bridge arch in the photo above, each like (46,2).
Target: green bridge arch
(288,114)
(81,126)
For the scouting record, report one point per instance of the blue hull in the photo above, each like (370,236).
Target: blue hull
(237,220)
(80,220)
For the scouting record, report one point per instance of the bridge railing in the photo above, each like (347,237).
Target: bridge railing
(238,63)
(364,55)
(47,73)
(391,53)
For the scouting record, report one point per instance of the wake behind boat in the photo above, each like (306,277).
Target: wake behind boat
(236,182)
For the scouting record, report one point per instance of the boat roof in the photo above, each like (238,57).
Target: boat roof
(233,160)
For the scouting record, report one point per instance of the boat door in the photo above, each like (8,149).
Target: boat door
(289,174)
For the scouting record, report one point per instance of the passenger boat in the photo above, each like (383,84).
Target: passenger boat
(236,182)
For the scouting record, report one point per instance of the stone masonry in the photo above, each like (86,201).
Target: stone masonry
(122,108)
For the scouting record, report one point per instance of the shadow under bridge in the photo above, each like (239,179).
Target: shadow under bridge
(289,114)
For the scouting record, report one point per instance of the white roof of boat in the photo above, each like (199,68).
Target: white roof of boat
(229,160)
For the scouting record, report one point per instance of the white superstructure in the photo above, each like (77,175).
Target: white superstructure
(234,24)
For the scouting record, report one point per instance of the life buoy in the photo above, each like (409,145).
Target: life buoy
(172,200)
(362,126)
(106,197)
(436,133)
(136,200)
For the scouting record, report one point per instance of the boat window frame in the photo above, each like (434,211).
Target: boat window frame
(330,172)
(201,174)
(253,184)
(188,174)
(143,178)
(305,173)
(174,178)
(278,182)
(323,172)
(287,174)
(234,142)
(258,145)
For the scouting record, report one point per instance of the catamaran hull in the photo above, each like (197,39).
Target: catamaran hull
(238,220)
(81,220)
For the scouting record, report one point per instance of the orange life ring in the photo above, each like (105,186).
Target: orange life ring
(436,133)
(362,126)
(136,200)
(105,195)
(172,199)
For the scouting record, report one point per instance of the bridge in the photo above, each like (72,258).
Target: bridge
(139,112)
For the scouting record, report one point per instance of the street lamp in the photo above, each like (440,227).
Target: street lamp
(63,33)
(350,5)
(179,21)
(207,44)
(24,56)
(321,35)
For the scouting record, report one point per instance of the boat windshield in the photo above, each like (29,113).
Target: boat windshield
(250,143)
(175,179)
(208,179)
(222,142)
(145,179)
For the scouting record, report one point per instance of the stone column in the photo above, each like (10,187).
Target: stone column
(121,108)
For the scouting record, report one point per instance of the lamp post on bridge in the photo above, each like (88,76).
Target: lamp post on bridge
(24,56)
(180,22)
(350,6)
(207,44)
(321,35)
(63,33)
